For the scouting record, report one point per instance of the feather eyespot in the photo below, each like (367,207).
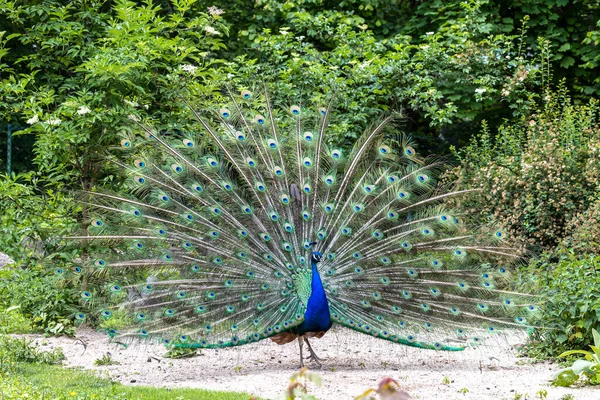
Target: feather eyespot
(384,150)
(225,113)
(246,94)
(295,110)
(422,178)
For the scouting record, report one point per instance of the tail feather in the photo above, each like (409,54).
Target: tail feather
(211,247)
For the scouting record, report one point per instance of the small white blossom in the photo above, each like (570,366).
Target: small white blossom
(429,33)
(131,103)
(189,68)
(480,90)
(146,106)
(133,118)
(284,32)
(53,121)
(33,120)
(210,30)
(300,38)
(83,110)
(215,11)
(505,92)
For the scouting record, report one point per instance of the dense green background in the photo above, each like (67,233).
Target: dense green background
(506,89)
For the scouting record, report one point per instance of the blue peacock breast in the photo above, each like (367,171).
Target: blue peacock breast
(317,316)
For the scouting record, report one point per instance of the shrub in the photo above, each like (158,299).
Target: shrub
(585,231)
(538,176)
(46,301)
(14,351)
(571,304)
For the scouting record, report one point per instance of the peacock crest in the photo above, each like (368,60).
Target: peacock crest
(253,227)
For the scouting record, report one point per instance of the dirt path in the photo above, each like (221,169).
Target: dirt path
(354,363)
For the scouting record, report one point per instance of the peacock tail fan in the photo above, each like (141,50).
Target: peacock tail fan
(211,244)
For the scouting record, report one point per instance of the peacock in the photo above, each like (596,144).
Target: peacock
(251,226)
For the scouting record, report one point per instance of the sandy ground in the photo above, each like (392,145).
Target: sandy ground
(355,362)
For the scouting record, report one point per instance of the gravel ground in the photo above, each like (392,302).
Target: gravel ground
(355,362)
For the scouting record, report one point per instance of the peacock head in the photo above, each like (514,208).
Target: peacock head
(316,257)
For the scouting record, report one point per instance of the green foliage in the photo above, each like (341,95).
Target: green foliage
(106,359)
(571,307)
(98,68)
(13,321)
(590,367)
(536,176)
(31,215)
(181,352)
(42,298)
(38,382)
(451,76)
(13,351)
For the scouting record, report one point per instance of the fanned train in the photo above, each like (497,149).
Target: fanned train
(253,227)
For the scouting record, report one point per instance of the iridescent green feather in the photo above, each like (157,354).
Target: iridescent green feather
(211,245)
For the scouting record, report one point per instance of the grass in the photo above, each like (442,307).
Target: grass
(39,381)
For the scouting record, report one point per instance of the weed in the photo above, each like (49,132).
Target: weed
(106,360)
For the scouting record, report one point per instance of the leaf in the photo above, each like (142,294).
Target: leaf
(582,352)
(566,62)
(565,378)
(9,309)
(564,47)
(583,365)
(596,336)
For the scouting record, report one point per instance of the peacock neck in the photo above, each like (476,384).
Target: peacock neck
(316,316)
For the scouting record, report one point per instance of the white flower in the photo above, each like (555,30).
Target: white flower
(480,90)
(284,32)
(83,110)
(133,118)
(33,120)
(189,68)
(300,38)
(429,33)
(505,92)
(210,30)
(214,11)
(53,121)
(131,103)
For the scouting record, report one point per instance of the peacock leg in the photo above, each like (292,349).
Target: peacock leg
(313,356)
(300,344)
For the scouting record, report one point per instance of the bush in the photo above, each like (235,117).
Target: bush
(14,351)
(31,214)
(538,176)
(13,321)
(571,304)
(45,300)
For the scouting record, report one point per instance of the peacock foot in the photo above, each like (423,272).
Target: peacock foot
(313,356)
